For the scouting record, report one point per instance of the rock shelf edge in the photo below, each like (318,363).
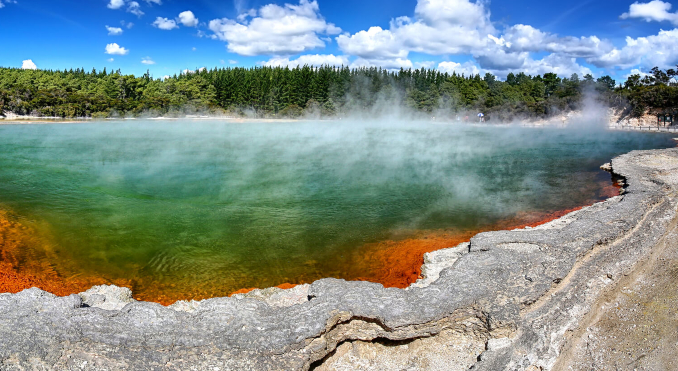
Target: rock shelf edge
(505,300)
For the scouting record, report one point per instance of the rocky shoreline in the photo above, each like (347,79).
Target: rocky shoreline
(506,300)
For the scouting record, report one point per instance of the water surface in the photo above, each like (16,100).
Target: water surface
(193,209)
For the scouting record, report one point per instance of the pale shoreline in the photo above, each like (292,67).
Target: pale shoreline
(614,118)
(87,120)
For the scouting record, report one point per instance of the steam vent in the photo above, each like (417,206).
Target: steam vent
(549,297)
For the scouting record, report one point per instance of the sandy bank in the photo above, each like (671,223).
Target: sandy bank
(505,300)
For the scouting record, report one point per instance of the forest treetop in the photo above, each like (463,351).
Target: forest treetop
(321,91)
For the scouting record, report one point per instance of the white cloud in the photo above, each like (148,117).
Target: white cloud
(556,63)
(110,59)
(165,24)
(127,25)
(521,38)
(186,72)
(231,61)
(656,50)
(116,4)
(2,5)
(512,50)
(439,27)
(274,29)
(132,6)
(242,17)
(655,10)
(166,77)
(115,49)
(147,60)
(311,60)
(463,27)
(135,9)
(114,31)
(636,71)
(389,64)
(466,68)
(500,59)
(28,65)
(373,43)
(188,19)
(158,2)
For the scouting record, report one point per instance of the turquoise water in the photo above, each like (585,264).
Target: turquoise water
(204,208)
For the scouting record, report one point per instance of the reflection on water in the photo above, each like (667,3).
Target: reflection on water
(186,210)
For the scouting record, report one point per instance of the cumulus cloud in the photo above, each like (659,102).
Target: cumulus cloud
(135,9)
(132,6)
(188,19)
(655,10)
(463,27)
(147,60)
(311,60)
(127,25)
(521,38)
(28,65)
(115,49)
(165,24)
(500,59)
(466,68)
(656,50)
(636,71)
(276,30)
(116,4)
(373,44)
(114,31)
(439,27)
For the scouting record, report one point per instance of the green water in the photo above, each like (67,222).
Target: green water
(213,206)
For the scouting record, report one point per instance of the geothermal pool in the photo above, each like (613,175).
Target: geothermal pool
(197,209)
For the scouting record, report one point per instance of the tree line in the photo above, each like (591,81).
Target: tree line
(320,91)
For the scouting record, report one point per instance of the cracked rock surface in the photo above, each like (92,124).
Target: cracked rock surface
(506,300)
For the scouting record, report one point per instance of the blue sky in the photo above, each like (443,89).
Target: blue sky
(614,37)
